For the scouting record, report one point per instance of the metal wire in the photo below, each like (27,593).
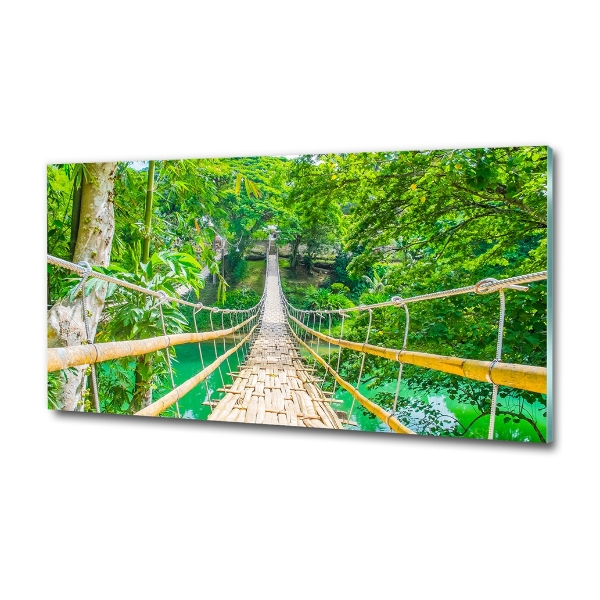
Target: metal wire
(318,338)
(362,364)
(224,342)
(167,349)
(328,351)
(88,337)
(312,336)
(485,286)
(237,353)
(401,363)
(343,315)
(202,359)
(212,328)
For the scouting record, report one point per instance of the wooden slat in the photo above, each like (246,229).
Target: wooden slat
(281,387)
(169,399)
(379,412)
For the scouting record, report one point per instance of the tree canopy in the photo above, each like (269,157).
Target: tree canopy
(384,223)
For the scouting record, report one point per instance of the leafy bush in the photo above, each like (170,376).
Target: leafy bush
(295,293)
(370,298)
(324,299)
(239,270)
(340,275)
(242,299)
(339,288)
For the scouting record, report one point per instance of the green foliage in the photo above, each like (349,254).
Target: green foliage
(339,288)
(53,385)
(310,216)
(241,299)
(134,315)
(247,210)
(426,221)
(240,270)
(410,223)
(325,299)
(470,207)
(293,292)
(378,283)
(130,315)
(59,194)
(116,385)
(222,291)
(340,272)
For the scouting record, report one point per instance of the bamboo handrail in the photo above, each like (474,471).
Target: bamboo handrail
(522,377)
(173,396)
(89,354)
(373,408)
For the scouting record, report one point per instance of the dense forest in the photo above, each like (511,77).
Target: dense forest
(352,229)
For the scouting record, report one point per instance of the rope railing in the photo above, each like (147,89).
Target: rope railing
(89,353)
(243,324)
(154,409)
(85,269)
(495,372)
(516,376)
(485,286)
(387,417)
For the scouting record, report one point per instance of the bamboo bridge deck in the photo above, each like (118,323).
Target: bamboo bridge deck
(273,386)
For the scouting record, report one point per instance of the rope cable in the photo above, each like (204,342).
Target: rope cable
(302,316)
(494,362)
(167,349)
(202,358)
(88,337)
(407,322)
(328,351)
(362,363)
(212,328)
(224,341)
(343,315)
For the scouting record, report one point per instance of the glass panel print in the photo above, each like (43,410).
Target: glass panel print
(395,292)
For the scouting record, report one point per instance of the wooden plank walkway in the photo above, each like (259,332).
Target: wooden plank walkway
(274,387)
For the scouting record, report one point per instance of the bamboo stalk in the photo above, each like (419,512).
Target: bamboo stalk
(148,214)
(224,405)
(76,212)
(89,354)
(521,377)
(169,399)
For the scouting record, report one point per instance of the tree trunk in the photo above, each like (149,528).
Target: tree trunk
(142,393)
(294,258)
(214,247)
(94,241)
(223,242)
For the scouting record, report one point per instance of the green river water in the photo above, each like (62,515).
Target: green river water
(191,407)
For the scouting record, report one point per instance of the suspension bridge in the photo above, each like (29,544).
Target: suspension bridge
(282,365)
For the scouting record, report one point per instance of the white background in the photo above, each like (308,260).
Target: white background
(127,508)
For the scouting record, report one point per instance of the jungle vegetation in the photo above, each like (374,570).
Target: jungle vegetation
(354,228)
